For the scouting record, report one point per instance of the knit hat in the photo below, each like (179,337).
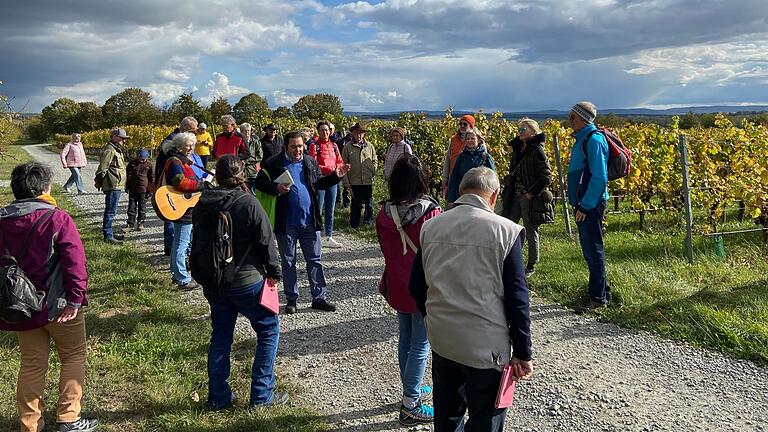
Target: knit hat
(401,131)
(143,154)
(585,110)
(469,119)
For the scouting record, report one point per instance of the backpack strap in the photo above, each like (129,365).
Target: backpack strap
(403,235)
(250,244)
(31,231)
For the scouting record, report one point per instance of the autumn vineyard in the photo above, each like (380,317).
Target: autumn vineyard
(728,163)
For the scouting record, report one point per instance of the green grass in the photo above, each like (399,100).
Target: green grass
(146,354)
(12,156)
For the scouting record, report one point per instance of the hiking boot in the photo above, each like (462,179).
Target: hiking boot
(290,307)
(323,305)
(82,425)
(529,271)
(590,307)
(114,241)
(189,286)
(419,414)
(425,393)
(279,398)
(329,242)
(118,236)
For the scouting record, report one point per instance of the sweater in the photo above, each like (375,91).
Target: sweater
(394,153)
(179,174)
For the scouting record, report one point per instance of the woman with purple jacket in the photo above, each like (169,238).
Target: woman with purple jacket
(73,157)
(45,241)
(398,226)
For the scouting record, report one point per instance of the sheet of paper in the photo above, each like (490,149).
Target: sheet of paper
(285,178)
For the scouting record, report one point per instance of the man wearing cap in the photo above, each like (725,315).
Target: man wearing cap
(361,156)
(111,176)
(455,146)
(588,193)
(204,143)
(271,143)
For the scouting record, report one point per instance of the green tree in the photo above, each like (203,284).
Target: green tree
(88,117)
(282,112)
(612,120)
(185,105)
(60,117)
(219,107)
(132,106)
(249,107)
(314,107)
(689,121)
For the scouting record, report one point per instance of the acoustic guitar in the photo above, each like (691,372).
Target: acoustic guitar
(170,204)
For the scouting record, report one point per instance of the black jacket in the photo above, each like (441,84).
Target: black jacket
(273,168)
(250,226)
(534,169)
(270,148)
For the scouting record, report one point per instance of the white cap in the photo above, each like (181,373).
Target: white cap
(202,126)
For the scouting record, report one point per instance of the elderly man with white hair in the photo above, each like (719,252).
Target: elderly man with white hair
(254,154)
(468,280)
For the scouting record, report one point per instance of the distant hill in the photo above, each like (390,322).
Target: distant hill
(560,113)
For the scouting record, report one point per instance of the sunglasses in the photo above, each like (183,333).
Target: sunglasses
(463,124)
(521,130)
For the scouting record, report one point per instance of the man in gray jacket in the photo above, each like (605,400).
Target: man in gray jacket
(468,281)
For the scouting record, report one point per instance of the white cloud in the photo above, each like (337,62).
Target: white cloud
(93,90)
(219,86)
(284,98)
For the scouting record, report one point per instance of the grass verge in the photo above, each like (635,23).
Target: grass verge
(146,353)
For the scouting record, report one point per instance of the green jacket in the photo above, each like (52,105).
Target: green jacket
(362,157)
(112,167)
(253,157)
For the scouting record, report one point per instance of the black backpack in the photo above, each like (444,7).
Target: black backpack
(19,298)
(210,260)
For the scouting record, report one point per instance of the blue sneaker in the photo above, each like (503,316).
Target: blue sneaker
(425,393)
(419,414)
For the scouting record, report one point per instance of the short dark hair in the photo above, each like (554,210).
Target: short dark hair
(229,172)
(292,135)
(408,181)
(30,180)
(323,123)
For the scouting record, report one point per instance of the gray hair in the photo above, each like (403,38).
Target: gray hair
(30,180)
(228,119)
(245,127)
(188,123)
(183,138)
(481,179)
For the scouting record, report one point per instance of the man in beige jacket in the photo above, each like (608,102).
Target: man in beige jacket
(110,179)
(361,156)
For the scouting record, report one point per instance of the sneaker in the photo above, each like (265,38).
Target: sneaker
(425,393)
(114,241)
(279,398)
(82,425)
(82,192)
(529,271)
(323,305)
(590,307)
(139,227)
(189,286)
(67,190)
(330,242)
(290,307)
(419,414)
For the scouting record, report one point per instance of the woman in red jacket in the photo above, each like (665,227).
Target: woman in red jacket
(398,226)
(329,158)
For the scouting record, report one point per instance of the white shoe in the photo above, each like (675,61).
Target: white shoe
(331,243)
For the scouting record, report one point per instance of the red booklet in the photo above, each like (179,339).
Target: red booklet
(506,394)
(269,298)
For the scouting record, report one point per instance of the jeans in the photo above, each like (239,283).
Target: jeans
(168,236)
(35,347)
(225,305)
(521,208)
(181,240)
(111,198)
(412,353)
(326,200)
(309,239)
(137,204)
(204,160)
(362,195)
(76,179)
(591,239)
(480,387)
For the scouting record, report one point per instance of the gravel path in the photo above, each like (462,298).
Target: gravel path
(589,376)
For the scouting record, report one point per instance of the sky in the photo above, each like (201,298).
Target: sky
(391,55)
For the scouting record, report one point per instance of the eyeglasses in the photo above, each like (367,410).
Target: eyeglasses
(521,129)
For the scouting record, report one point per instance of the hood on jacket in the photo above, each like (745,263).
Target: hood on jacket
(411,212)
(167,146)
(23,207)
(218,197)
(538,140)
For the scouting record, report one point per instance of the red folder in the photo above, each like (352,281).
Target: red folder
(506,394)
(268,298)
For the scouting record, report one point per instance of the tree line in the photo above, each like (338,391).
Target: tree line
(134,106)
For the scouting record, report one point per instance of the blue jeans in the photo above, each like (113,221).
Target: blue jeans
(225,305)
(309,239)
(75,178)
(181,239)
(412,353)
(328,205)
(111,198)
(591,239)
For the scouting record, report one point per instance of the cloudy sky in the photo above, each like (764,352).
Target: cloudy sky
(391,55)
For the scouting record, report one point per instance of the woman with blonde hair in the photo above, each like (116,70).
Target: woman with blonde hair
(73,157)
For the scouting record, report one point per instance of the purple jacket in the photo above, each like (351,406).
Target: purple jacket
(55,253)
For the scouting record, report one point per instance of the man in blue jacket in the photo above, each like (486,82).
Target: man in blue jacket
(588,193)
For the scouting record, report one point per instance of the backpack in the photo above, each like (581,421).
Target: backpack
(210,260)
(19,298)
(619,156)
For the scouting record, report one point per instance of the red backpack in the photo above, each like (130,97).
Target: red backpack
(619,156)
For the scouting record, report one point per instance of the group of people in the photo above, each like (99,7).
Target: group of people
(474,319)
